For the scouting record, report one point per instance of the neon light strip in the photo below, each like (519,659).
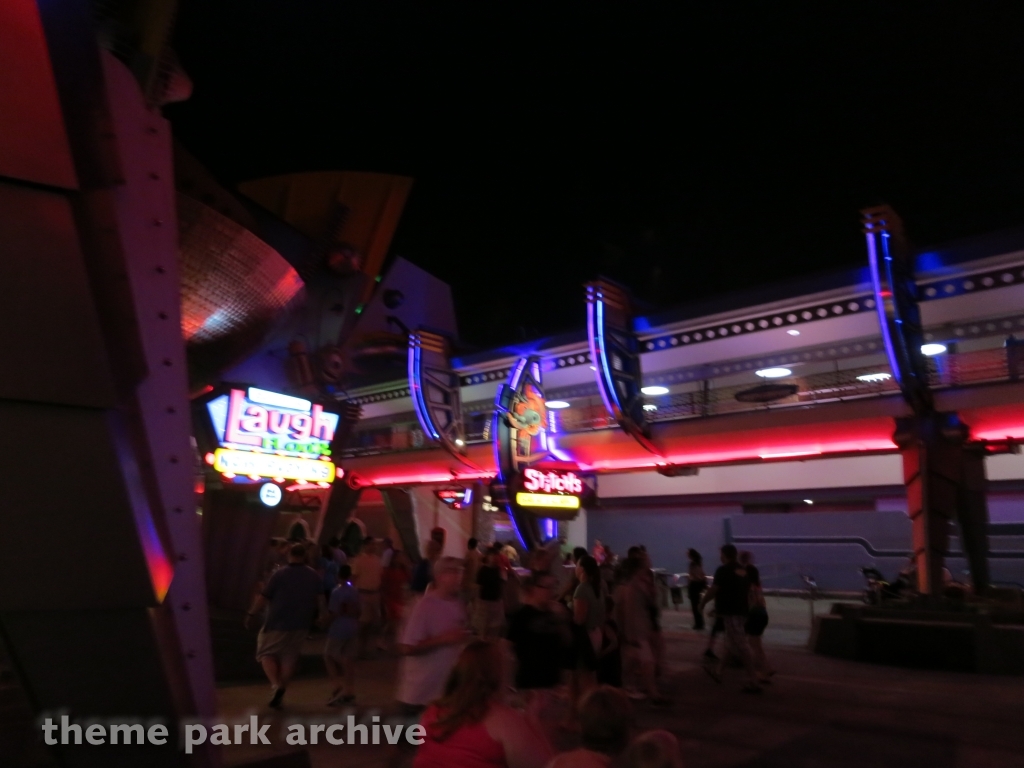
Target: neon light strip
(264,397)
(424,479)
(416,389)
(883,321)
(513,384)
(598,353)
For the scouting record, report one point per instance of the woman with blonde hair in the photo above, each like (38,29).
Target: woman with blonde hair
(471,726)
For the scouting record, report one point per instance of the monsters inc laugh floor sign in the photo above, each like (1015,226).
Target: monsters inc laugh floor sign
(528,486)
(267,434)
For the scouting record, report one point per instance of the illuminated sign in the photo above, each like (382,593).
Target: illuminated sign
(228,461)
(258,420)
(456,498)
(551,481)
(531,484)
(268,434)
(270,494)
(547,500)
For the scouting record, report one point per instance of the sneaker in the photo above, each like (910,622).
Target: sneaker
(275,703)
(751,688)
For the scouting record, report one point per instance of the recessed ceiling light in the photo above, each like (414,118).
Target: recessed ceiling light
(773,373)
(654,390)
(556,404)
(930,350)
(793,332)
(808,501)
(871,378)
(650,407)
(460,442)
(593,367)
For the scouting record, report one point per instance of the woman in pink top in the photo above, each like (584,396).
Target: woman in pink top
(470,726)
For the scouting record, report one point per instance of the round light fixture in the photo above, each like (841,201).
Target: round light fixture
(270,494)
(793,332)
(650,407)
(930,350)
(460,442)
(654,390)
(556,405)
(872,378)
(773,373)
(808,501)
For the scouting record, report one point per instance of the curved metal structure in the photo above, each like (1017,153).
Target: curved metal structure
(896,301)
(435,393)
(615,352)
(234,287)
(943,471)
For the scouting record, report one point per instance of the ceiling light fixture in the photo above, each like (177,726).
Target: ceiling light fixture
(930,350)
(793,332)
(556,405)
(808,501)
(654,390)
(773,373)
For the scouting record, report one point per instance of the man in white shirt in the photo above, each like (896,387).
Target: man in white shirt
(432,638)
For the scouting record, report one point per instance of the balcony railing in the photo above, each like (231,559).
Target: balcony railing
(706,399)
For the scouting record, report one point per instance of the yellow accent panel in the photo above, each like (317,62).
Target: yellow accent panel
(548,500)
(245,463)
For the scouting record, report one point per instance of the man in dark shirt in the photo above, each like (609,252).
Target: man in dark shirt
(537,635)
(730,593)
(489,610)
(293,597)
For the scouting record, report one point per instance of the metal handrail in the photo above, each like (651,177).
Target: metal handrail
(950,370)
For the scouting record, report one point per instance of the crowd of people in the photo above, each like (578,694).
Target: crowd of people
(576,625)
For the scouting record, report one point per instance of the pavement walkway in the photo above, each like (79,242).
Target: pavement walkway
(819,712)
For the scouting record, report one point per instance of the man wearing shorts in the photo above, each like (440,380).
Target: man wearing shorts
(730,593)
(293,597)
(367,572)
(342,639)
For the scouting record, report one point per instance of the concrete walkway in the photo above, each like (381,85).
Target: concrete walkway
(819,712)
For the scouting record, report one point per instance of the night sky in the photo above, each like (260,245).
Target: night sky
(684,154)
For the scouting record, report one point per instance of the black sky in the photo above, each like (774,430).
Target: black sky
(686,152)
